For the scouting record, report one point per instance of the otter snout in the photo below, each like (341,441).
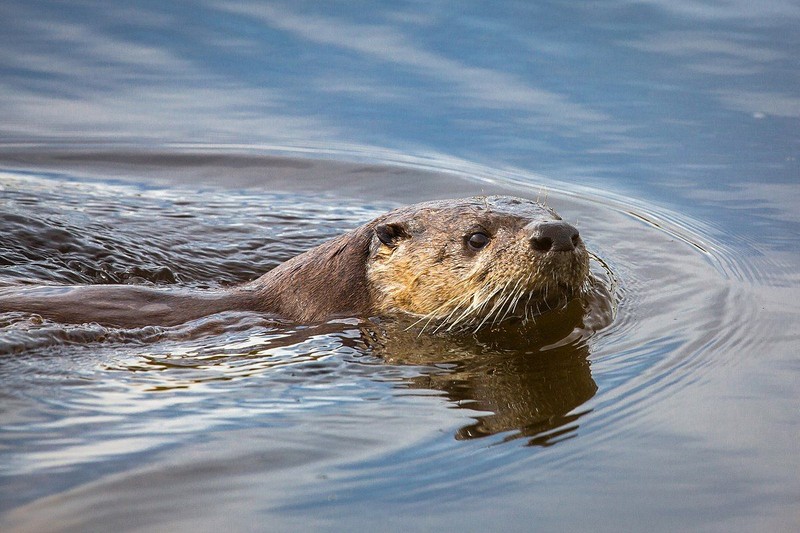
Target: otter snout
(553,236)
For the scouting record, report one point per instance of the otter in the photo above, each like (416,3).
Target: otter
(452,264)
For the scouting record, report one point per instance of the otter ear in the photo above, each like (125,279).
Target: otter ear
(391,233)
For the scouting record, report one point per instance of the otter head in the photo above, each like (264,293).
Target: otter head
(463,264)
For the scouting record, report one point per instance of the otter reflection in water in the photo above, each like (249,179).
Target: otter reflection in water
(523,381)
(451,264)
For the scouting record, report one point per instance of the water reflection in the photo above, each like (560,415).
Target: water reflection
(527,385)
(510,84)
(525,380)
(521,395)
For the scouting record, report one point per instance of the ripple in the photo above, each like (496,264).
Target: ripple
(671,302)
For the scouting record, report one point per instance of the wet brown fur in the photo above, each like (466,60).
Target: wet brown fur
(433,274)
(425,270)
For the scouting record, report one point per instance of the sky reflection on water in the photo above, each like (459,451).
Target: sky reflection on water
(624,90)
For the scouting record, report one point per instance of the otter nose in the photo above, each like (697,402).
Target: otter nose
(555,236)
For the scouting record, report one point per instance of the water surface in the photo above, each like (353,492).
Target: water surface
(199,146)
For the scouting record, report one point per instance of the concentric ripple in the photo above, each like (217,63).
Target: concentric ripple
(80,402)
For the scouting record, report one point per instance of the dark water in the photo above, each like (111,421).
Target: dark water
(199,145)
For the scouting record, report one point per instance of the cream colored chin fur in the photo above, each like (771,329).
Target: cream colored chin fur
(468,290)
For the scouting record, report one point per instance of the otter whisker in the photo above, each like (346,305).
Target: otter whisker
(454,304)
(476,306)
(476,302)
(496,311)
(501,299)
(463,289)
(529,308)
(508,304)
(511,308)
(499,302)
(431,316)
(528,303)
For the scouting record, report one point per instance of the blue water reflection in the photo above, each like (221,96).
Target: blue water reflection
(641,92)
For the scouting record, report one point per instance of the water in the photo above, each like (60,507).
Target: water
(199,146)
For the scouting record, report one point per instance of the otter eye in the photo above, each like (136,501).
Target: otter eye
(476,241)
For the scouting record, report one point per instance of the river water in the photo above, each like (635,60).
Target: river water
(199,145)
